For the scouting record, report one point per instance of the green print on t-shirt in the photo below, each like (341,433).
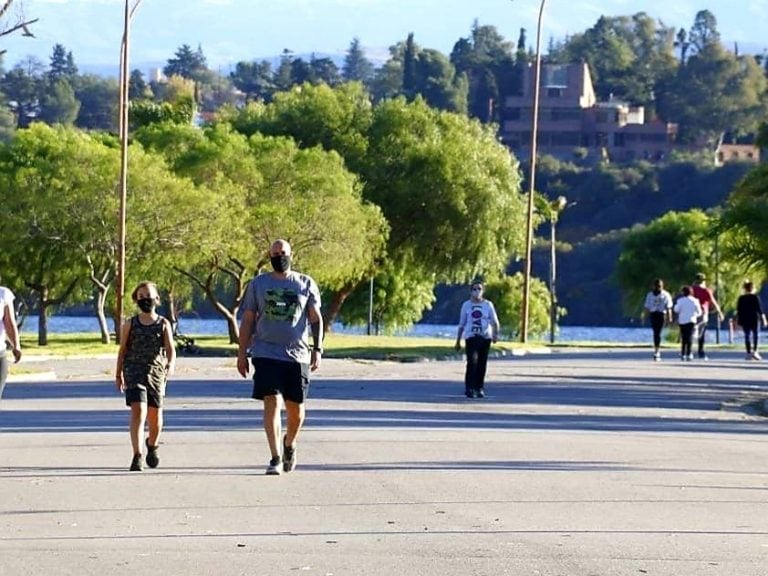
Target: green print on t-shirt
(281,304)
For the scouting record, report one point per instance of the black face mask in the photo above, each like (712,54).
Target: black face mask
(146,304)
(280,263)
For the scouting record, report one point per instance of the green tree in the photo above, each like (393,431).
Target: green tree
(448,188)
(269,188)
(21,87)
(188,63)
(744,219)
(487,61)
(255,79)
(98,99)
(62,66)
(506,293)
(356,66)
(58,104)
(715,92)
(436,81)
(334,118)
(138,89)
(388,79)
(146,112)
(704,34)
(674,247)
(39,173)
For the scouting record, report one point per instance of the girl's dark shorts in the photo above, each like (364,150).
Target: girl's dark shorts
(144,394)
(272,377)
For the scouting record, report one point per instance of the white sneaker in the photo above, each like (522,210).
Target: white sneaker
(756,356)
(656,356)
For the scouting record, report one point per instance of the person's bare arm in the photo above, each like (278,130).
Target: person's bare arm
(125,332)
(170,349)
(316,330)
(12,330)
(246,329)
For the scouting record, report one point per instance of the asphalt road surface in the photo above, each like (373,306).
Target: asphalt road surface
(578,463)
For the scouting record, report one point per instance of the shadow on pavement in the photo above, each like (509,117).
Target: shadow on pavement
(249,418)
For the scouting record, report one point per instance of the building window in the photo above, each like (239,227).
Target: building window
(554,92)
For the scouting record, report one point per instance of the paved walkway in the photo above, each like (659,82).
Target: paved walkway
(578,463)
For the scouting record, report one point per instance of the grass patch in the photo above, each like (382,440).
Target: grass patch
(397,348)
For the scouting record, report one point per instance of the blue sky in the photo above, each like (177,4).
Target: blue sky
(234,30)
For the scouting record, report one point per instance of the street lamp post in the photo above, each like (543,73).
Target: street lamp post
(123,133)
(532,183)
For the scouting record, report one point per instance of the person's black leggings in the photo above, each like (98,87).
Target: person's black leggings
(477,362)
(750,337)
(686,338)
(657,323)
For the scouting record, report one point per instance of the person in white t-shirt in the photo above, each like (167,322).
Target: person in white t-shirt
(479,325)
(658,306)
(9,332)
(688,310)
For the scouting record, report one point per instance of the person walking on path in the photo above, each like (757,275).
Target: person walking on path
(658,306)
(9,334)
(750,315)
(479,325)
(688,310)
(278,309)
(707,300)
(145,360)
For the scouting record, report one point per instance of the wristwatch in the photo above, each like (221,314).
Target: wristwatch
(317,349)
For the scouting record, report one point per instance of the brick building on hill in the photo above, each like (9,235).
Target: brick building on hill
(571,118)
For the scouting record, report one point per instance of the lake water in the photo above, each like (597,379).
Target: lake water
(212,326)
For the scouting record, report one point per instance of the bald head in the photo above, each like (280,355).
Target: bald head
(280,248)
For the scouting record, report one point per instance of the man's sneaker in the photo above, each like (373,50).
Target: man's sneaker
(480,393)
(690,357)
(656,356)
(756,356)
(136,463)
(274,468)
(703,357)
(289,458)
(469,393)
(152,458)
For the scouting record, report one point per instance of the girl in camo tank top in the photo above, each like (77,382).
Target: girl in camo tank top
(144,362)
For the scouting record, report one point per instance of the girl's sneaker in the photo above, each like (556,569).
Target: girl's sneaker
(136,463)
(152,458)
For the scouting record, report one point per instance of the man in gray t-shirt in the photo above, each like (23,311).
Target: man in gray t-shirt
(279,309)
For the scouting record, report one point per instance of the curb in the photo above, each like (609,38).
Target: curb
(32,377)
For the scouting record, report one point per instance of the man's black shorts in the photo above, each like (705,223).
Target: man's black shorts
(271,377)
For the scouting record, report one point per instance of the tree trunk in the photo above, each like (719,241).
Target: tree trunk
(332,312)
(42,319)
(101,299)
(229,312)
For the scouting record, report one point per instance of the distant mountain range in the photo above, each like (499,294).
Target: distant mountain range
(377,56)
(109,71)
